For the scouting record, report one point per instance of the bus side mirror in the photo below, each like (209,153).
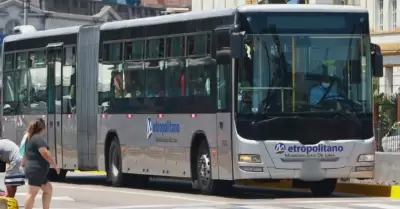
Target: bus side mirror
(237,44)
(377,61)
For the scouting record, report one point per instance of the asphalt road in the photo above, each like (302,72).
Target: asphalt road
(84,191)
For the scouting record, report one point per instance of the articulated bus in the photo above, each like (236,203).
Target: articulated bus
(258,92)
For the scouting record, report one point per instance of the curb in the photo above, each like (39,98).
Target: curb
(93,172)
(372,190)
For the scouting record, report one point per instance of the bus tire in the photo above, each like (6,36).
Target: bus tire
(323,188)
(205,183)
(114,171)
(137,180)
(53,176)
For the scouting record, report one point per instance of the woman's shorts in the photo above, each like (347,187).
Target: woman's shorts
(14,175)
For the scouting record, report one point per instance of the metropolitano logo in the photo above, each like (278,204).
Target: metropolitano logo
(149,128)
(280,148)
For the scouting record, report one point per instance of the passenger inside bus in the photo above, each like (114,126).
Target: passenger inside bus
(116,87)
(133,87)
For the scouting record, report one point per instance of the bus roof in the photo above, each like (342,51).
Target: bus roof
(225,12)
(43,33)
(166,19)
(301,8)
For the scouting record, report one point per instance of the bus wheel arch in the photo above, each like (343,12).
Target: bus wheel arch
(197,138)
(200,162)
(111,142)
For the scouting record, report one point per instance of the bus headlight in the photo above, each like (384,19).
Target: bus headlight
(249,159)
(366,158)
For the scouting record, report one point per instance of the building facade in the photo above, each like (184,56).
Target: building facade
(384,23)
(11,15)
(49,14)
(168,3)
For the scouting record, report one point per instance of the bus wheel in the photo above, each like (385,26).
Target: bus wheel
(114,171)
(205,183)
(53,176)
(323,188)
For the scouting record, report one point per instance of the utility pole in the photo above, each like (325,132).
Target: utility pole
(27,4)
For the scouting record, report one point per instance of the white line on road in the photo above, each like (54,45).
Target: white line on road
(152,194)
(261,207)
(63,198)
(376,206)
(161,206)
(327,201)
(318,206)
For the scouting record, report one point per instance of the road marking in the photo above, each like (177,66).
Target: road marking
(152,194)
(319,206)
(332,207)
(259,207)
(377,205)
(162,206)
(329,201)
(292,201)
(39,196)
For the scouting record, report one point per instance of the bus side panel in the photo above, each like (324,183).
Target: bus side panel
(224,146)
(21,126)
(164,152)
(69,142)
(9,127)
(88,50)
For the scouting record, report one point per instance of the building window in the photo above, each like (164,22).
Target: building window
(381,15)
(394,14)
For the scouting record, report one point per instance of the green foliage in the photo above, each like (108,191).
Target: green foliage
(387,107)
(387,110)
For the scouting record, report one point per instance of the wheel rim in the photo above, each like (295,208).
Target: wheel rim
(204,170)
(115,163)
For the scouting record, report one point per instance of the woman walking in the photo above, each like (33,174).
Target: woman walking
(36,163)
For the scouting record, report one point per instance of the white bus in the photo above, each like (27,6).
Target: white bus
(258,92)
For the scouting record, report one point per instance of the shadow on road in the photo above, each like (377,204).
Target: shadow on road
(177,186)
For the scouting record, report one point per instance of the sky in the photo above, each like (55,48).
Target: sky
(292,2)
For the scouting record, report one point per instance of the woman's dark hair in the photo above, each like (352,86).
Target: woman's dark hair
(36,127)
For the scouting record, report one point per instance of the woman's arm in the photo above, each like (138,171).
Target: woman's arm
(24,160)
(46,155)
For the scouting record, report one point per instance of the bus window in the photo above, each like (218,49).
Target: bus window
(37,78)
(22,60)
(9,97)
(155,48)
(69,80)
(9,61)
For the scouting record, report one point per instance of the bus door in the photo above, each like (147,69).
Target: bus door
(224,102)
(54,53)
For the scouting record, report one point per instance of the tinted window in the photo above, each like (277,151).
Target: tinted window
(9,96)
(37,79)
(175,75)
(308,23)
(69,80)
(22,60)
(112,52)
(155,48)
(175,47)
(9,61)
(134,50)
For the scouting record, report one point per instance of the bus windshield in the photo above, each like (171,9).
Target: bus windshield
(320,63)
